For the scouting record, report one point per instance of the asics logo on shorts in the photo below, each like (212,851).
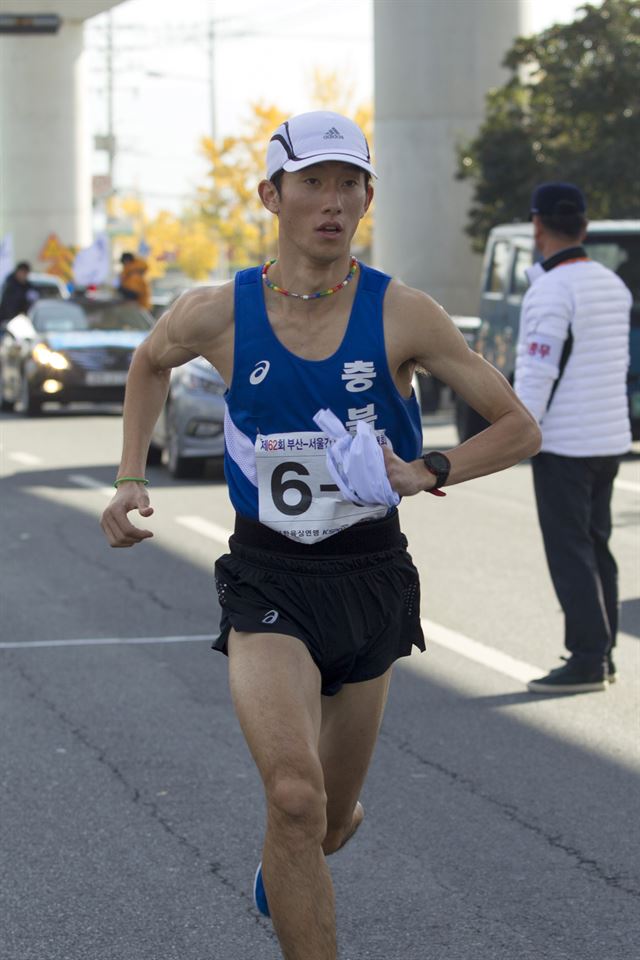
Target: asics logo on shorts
(260,372)
(271,616)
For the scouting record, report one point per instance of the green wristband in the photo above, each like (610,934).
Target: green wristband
(132,479)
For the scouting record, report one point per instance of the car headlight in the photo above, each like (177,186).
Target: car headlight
(192,381)
(49,358)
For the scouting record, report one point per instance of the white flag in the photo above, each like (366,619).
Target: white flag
(91,265)
(6,257)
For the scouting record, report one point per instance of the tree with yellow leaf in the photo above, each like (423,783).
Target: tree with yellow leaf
(229,202)
(185,242)
(197,253)
(330,92)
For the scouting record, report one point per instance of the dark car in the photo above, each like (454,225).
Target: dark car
(68,351)
(190,429)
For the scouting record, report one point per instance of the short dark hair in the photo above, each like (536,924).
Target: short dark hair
(23,265)
(127,258)
(276,180)
(570,225)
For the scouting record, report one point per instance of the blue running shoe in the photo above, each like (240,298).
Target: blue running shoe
(259,894)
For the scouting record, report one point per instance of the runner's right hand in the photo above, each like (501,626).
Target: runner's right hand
(118,529)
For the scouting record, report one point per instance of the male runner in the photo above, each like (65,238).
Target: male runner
(319,595)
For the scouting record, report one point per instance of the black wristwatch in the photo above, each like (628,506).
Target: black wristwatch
(439,465)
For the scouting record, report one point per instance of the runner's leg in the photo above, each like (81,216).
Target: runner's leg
(350,723)
(275,687)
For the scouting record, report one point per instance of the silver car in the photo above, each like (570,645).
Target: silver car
(190,429)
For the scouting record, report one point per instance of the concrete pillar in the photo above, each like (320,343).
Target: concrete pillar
(434,62)
(45,182)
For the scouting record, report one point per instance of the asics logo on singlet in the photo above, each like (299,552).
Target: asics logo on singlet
(271,616)
(333,134)
(260,372)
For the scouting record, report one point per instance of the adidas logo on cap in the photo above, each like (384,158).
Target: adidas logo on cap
(316,137)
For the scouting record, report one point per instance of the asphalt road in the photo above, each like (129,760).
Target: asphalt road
(500,825)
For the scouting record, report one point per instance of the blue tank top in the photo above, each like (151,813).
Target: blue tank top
(273,391)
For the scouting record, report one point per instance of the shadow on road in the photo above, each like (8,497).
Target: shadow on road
(105,474)
(493,831)
(630,616)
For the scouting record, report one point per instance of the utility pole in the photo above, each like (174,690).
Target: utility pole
(111,140)
(212,79)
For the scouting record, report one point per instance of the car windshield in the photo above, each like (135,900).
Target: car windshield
(117,316)
(619,252)
(47,291)
(65,317)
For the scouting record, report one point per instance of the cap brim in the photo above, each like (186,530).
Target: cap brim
(292,165)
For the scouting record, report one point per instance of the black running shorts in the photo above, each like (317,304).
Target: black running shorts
(352,599)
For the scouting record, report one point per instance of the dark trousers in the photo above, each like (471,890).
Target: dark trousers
(573,495)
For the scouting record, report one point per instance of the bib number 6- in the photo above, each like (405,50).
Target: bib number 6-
(280,486)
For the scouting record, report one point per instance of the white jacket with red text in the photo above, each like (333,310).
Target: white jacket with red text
(588,415)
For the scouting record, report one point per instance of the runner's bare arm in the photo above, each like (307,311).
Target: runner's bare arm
(429,336)
(197,324)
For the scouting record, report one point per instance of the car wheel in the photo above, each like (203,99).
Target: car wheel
(4,403)
(429,395)
(154,455)
(468,421)
(29,405)
(178,466)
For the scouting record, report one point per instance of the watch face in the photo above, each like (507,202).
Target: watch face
(438,462)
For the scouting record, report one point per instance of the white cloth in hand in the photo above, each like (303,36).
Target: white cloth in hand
(356,463)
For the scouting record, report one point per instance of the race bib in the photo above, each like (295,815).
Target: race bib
(296,494)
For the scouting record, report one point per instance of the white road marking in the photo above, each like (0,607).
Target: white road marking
(627,485)
(195,523)
(476,651)
(104,641)
(465,646)
(471,649)
(26,459)
(437,633)
(206,528)
(90,484)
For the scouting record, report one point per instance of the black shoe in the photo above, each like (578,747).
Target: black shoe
(574,677)
(611,669)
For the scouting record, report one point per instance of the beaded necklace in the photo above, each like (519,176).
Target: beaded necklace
(309,296)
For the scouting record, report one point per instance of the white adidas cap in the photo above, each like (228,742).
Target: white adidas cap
(315,137)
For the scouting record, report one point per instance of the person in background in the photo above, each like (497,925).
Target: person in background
(571,373)
(17,293)
(133,283)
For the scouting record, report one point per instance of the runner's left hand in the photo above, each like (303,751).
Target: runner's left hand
(407,479)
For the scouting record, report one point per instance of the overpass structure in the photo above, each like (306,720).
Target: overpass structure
(434,62)
(45,177)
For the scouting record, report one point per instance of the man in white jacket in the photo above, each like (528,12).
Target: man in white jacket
(571,372)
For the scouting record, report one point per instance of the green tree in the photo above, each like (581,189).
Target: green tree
(570,111)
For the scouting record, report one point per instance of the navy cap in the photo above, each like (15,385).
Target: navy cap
(557,198)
